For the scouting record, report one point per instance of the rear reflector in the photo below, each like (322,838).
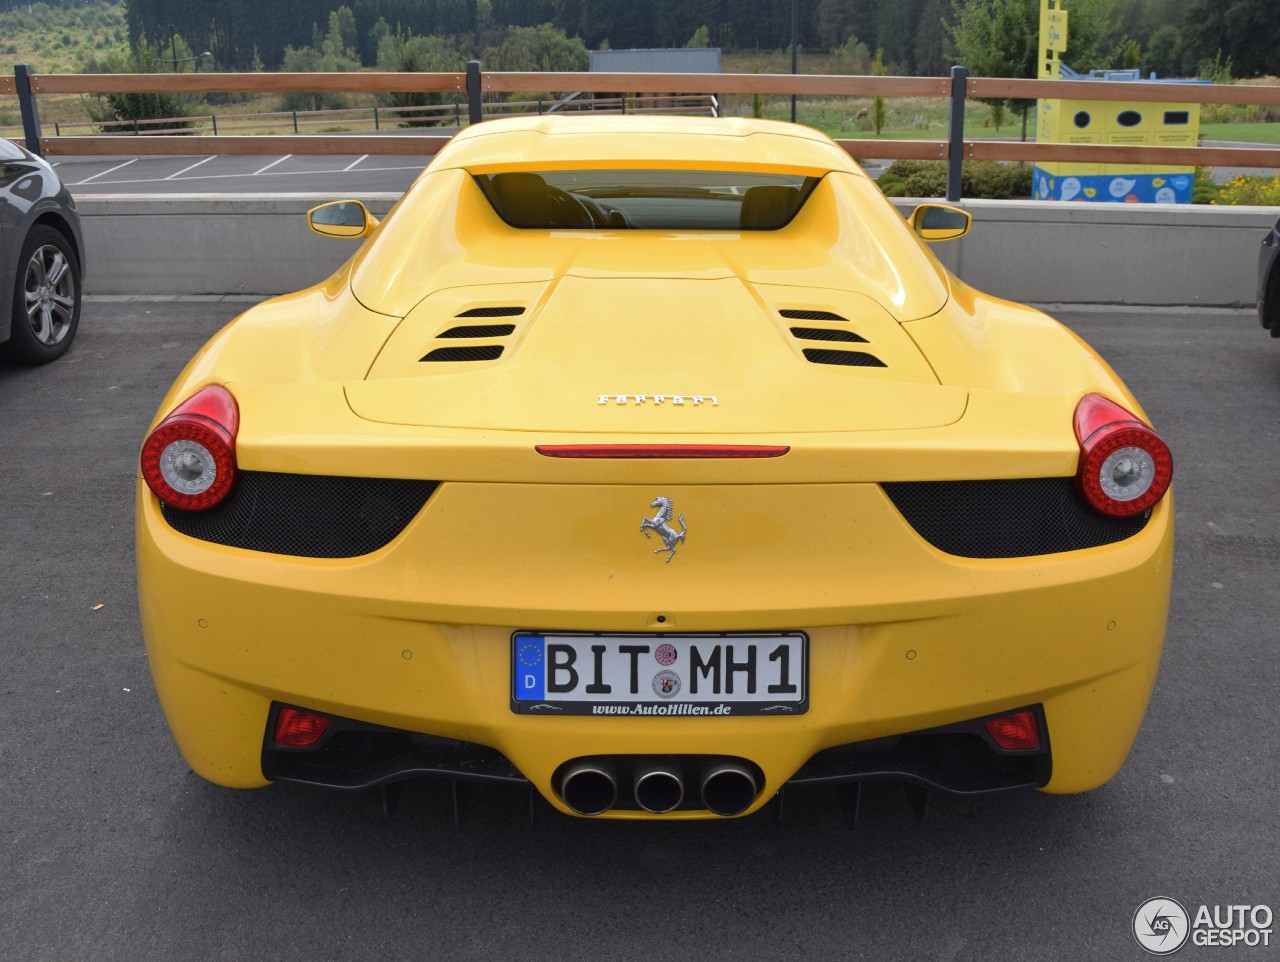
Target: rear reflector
(299,729)
(1015,733)
(656,451)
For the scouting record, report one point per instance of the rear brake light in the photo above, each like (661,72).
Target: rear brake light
(643,451)
(296,728)
(189,460)
(1015,733)
(1125,468)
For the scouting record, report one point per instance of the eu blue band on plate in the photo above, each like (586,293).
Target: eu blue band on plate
(531,660)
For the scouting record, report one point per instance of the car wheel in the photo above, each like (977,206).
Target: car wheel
(46,299)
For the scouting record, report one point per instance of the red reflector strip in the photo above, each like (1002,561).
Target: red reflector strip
(1015,733)
(299,729)
(658,451)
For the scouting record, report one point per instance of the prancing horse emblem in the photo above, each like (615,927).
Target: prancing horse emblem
(660,523)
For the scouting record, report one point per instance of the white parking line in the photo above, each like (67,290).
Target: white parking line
(354,162)
(272,164)
(107,171)
(192,167)
(278,173)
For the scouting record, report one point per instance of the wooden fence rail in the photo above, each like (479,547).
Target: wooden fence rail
(472,86)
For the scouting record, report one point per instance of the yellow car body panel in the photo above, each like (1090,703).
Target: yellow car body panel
(416,635)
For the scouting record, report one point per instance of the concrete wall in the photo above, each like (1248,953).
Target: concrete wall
(1025,250)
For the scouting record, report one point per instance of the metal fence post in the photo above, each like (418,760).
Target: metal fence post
(474,90)
(376,125)
(955,149)
(27,104)
(214,117)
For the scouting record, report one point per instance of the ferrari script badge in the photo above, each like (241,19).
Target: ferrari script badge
(661,523)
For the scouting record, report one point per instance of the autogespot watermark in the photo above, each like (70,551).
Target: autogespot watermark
(1162,926)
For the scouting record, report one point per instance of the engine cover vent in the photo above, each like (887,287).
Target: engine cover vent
(793,315)
(487,352)
(845,358)
(479,330)
(493,312)
(826,334)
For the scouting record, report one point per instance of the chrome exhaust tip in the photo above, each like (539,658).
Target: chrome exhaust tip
(658,789)
(728,789)
(589,788)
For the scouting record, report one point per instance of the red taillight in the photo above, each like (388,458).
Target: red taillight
(299,729)
(189,460)
(1015,733)
(1125,467)
(643,451)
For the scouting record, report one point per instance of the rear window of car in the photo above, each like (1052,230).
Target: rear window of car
(646,199)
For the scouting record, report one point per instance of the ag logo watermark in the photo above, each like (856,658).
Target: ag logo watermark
(1162,926)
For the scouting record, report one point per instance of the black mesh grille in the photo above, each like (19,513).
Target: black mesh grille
(846,358)
(480,330)
(955,762)
(811,316)
(305,515)
(493,312)
(1007,518)
(356,755)
(486,352)
(826,334)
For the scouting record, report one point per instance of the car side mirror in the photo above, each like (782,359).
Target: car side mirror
(342,218)
(936,222)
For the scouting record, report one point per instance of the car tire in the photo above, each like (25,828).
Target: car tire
(46,299)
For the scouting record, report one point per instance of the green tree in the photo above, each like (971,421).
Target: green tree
(537,48)
(931,43)
(332,54)
(896,32)
(407,54)
(1245,31)
(104,108)
(701,38)
(1131,54)
(879,112)
(1001,38)
(1163,55)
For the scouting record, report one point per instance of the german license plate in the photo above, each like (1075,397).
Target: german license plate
(699,675)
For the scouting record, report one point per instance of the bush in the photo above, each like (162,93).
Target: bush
(929,181)
(892,185)
(1204,190)
(979,178)
(1250,192)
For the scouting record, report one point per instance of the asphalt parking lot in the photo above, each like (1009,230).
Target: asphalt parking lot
(114,850)
(228,173)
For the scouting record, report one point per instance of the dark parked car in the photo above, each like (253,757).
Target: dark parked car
(1269,282)
(41,259)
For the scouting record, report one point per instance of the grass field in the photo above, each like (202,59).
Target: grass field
(1266,133)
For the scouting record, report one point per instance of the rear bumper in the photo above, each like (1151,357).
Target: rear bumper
(416,637)
(960,759)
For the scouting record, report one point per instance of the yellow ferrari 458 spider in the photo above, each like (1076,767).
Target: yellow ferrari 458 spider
(656,465)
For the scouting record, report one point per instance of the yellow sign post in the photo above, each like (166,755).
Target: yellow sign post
(1107,122)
